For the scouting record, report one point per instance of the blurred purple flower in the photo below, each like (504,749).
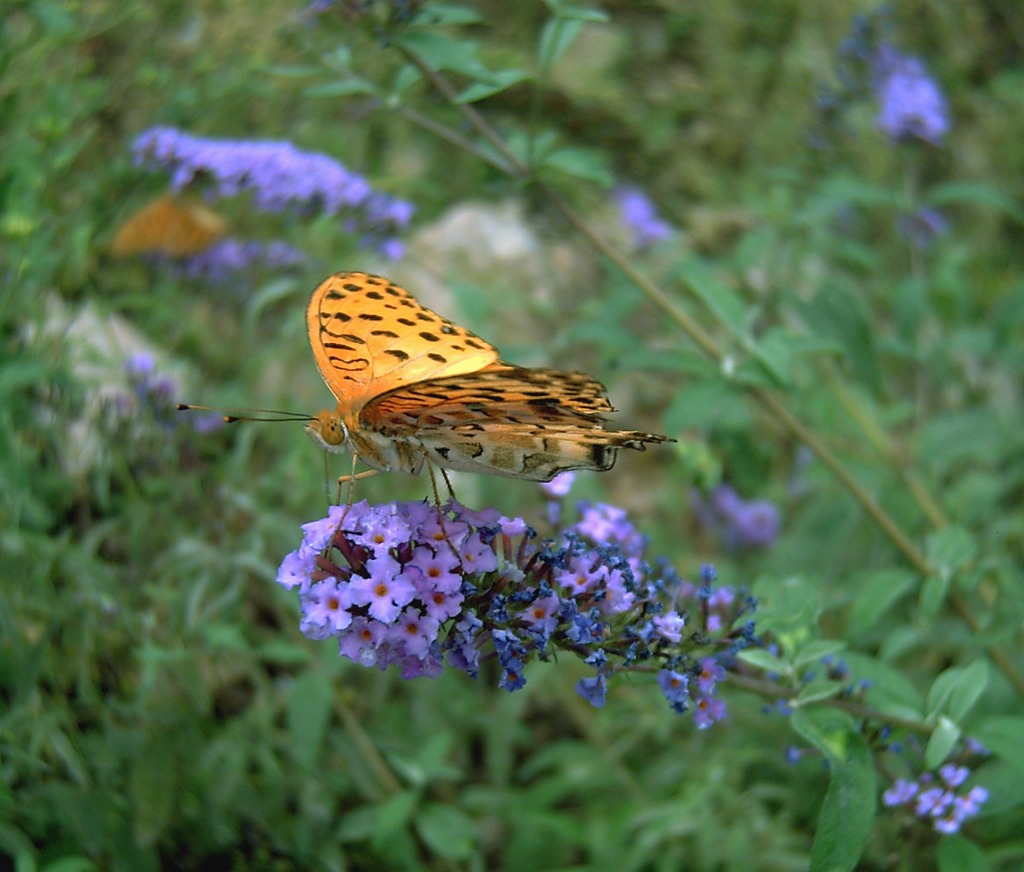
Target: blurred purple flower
(923,227)
(279,176)
(941,805)
(229,256)
(741,524)
(911,105)
(640,217)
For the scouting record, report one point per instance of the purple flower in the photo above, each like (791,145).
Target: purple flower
(953,776)
(741,524)
(397,587)
(295,569)
(229,256)
(900,793)
(640,217)
(707,711)
(326,605)
(594,690)
(675,688)
(279,176)
(757,525)
(911,104)
(670,625)
(560,485)
(711,673)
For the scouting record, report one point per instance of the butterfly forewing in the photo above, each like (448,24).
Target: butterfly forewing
(370,336)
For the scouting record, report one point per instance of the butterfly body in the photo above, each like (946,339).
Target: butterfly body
(413,387)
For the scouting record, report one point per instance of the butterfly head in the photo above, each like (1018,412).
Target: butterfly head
(327,430)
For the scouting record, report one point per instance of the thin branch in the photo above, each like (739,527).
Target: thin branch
(768,400)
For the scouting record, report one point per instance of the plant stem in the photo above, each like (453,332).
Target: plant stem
(506,161)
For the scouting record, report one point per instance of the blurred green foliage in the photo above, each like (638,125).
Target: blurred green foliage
(159,708)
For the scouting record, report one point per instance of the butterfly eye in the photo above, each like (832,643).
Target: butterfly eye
(327,430)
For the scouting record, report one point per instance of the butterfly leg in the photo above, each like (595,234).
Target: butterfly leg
(351,479)
(448,483)
(437,503)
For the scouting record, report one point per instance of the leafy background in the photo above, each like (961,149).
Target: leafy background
(160,708)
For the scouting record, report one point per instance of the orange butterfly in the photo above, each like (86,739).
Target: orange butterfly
(413,387)
(169,225)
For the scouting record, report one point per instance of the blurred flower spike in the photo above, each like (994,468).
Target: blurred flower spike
(279,176)
(741,524)
(911,105)
(939,800)
(417,587)
(229,256)
(640,217)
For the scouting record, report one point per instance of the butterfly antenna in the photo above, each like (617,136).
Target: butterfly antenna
(232,416)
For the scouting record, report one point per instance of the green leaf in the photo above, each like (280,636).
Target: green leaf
(789,608)
(342,88)
(969,686)
(448,831)
(814,652)
(499,82)
(933,595)
(973,193)
(393,814)
(1001,735)
(954,853)
(949,549)
(839,313)
(764,660)
(945,735)
(441,52)
(69,864)
(1004,783)
(877,592)
(155,787)
(889,690)
(564,9)
(309,710)
(581,163)
(955,691)
(725,303)
(436,14)
(817,689)
(849,806)
(556,38)
(706,404)
(684,360)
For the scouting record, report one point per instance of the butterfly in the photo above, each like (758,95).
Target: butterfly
(413,388)
(169,225)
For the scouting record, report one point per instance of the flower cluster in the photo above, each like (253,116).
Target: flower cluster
(910,102)
(640,217)
(279,176)
(753,524)
(911,105)
(938,799)
(416,586)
